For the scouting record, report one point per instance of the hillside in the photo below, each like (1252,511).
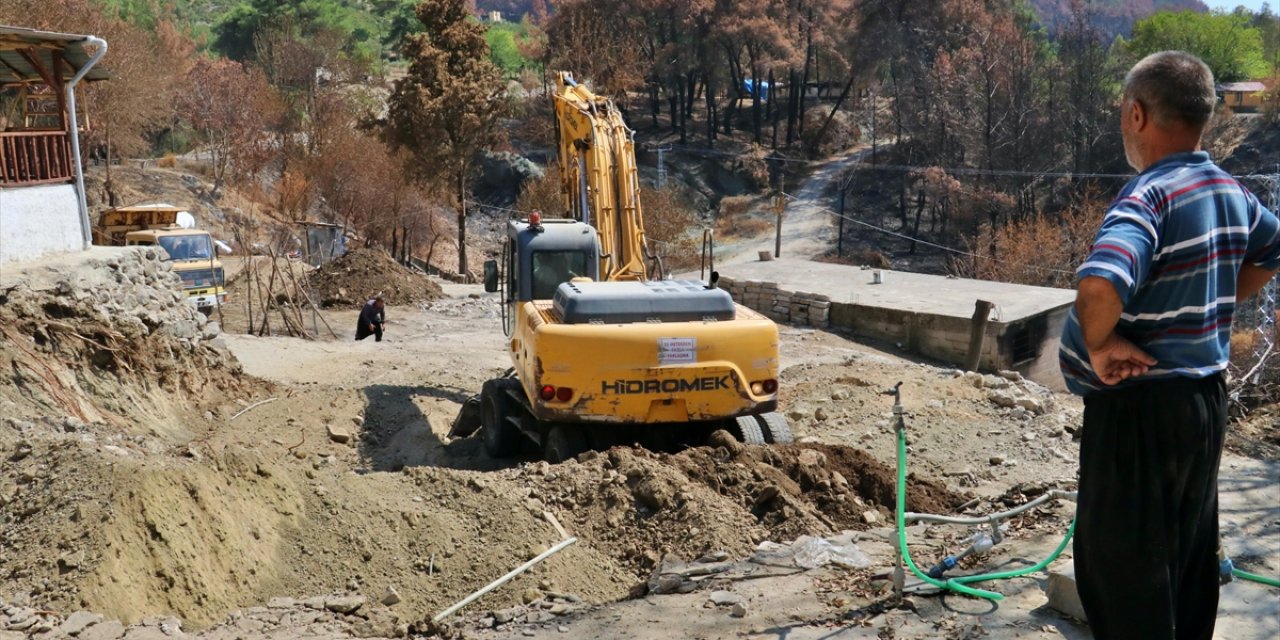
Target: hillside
(1114,17)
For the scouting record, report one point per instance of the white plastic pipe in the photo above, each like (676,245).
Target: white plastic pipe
(504,579)
(75,135)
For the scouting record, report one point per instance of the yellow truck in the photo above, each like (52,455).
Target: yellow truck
(601,354)
(191,251)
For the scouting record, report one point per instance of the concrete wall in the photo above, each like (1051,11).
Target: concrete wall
(1028,345)
(36,221)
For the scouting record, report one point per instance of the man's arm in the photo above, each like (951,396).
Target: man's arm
(1251,280)
(1098,308)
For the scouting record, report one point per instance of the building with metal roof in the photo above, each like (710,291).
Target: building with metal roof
(42,199)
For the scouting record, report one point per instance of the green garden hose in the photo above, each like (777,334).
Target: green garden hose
(958,584)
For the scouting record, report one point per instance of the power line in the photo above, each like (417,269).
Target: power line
(934,244)
(970,171)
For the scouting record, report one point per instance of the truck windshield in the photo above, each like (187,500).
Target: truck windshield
(550,268)
(187,247)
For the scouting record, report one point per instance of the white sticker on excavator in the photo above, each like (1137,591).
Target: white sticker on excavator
(677,350)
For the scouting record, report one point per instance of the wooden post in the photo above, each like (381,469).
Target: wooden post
(978,334)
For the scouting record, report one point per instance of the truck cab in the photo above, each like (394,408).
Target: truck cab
(191,251)
(194,258)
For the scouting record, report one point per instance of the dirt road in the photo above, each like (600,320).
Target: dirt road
(808,226)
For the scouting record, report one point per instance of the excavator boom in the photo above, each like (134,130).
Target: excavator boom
(599,179)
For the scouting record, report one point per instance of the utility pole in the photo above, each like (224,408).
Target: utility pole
(662,167)
(779,205)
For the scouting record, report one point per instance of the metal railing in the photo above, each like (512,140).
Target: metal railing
(34,157)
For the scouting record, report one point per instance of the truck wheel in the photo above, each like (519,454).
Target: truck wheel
(497,411)
(776,428)
(564,441)
(747,428)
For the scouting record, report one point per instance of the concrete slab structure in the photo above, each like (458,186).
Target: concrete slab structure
(925,314)
(39,220)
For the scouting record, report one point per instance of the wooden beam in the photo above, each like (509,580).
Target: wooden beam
(29,55)
(57,87)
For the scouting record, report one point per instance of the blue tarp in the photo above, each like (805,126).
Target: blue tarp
(752,87)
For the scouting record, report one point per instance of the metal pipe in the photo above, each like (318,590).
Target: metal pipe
(86,232)
(1055,494)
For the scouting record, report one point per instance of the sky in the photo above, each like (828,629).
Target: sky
(1252,5)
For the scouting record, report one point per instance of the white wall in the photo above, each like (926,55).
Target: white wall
(36,221)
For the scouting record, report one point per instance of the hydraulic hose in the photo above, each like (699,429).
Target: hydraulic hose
(958,584)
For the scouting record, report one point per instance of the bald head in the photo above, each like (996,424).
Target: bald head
(1175,88)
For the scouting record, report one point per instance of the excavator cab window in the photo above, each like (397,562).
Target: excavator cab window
(550,268)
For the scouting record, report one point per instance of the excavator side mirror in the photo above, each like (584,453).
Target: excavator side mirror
(490,276)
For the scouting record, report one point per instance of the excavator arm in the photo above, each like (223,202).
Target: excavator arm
(598,177)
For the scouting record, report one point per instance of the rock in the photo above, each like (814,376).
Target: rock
(725,598)
(316,603)
(145,633)
(528,633)
(995,382)
(358,420)
(529,596)
(1002,398)
(871,517)
(1032,404)
(391,597)
(811,458)
(820,414)
(338,434)
(282,603)
(996,460)
(739,610)
(1028,436)
(1062,594)
(972,378)
(559,609)
(103,631)
(504,616)
(77,622)
(344,604)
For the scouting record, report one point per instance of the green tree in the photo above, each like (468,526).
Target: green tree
(235,33)
(1225,41)
(503,50)
(447,108)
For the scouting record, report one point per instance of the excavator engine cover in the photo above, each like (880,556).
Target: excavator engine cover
(648,301)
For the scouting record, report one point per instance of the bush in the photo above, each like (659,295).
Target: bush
(672,227)
(1042,250)
(734,220)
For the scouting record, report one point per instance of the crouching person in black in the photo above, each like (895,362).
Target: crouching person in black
(371,319)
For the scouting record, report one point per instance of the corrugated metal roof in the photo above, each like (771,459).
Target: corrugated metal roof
(1244,87)
(49,48)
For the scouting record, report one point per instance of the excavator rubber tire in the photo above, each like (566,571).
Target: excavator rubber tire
(564,442)
(748,430)
(776,428)
(497,411)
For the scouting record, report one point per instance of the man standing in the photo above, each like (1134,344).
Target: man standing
(371,318)
(1146,345)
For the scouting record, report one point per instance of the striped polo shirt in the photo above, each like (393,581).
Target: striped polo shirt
(1172,245)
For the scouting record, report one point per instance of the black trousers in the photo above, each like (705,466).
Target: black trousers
(1147,521)
(363,332)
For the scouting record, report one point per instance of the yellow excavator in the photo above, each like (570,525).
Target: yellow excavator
(602,354)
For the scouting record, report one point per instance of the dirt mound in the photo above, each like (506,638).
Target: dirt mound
(638,505)
(103,362)
(362,273)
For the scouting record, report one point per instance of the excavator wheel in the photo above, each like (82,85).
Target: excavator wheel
(776,429)
(564,442)
(498,410)
(748,430)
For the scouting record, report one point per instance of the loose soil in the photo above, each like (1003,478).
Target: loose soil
(362,273)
